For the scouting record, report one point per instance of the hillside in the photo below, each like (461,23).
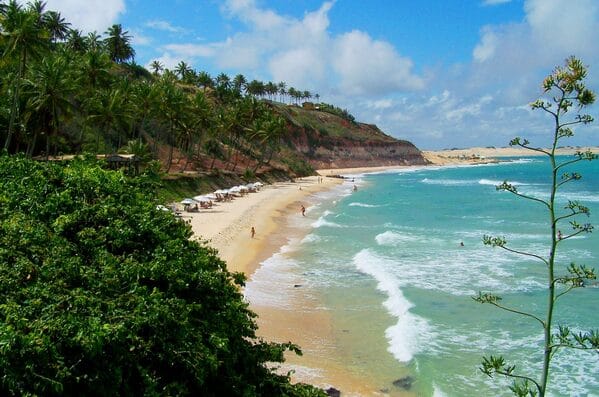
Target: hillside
(328,140)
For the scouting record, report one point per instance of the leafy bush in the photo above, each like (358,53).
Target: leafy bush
(103,294)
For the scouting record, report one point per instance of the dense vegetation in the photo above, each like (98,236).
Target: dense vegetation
(101,293)
(66,93)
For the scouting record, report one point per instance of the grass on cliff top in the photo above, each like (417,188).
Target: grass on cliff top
(331,125)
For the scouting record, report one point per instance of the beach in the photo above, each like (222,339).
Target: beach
(227,227)
(307,322)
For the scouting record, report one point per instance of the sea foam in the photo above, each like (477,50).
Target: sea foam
(404,336)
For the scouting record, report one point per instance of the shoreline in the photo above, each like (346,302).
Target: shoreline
(226,227)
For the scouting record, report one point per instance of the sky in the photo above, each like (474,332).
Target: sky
(439,73)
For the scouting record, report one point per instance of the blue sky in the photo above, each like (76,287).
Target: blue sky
(441,74)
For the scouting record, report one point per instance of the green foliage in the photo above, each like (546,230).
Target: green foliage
(566,88)
(298,165)
(343,113)
(103,294)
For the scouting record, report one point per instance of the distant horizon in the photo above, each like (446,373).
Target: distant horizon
(438,74)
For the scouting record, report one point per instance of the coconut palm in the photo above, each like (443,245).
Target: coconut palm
(48,89)
(239,83)
(156,67)
(76,42)
(94,41)
(118,44)
(182,69)
(23,37)
(56,25)
(282,90)
(204,80)
(93,69)
(108,115)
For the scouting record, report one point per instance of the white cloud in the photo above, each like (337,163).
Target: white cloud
(303,53)
(165,26)
(486,48)
(139,39)
(368,66)
(481,102)
(89,15)
(190,51)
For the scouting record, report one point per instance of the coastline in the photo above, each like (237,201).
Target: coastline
(226,227)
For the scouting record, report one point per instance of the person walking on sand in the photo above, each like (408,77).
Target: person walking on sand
(253,232)
(303,210)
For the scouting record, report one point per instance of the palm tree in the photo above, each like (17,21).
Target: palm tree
(182,69)
(157,67)
(223,81)
(93,41)
(76,42)
(282,90)
(49,90)
(239,83)
(204,80)
(56,25)
(171,107)
(93,69)
(118,44)
(307,95)
(271,89)
(109,114)
(256,88)
(23,37)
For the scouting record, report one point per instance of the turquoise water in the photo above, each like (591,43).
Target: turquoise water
(387,262)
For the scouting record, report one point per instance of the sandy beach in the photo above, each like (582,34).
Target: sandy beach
(489,154)
(227,227)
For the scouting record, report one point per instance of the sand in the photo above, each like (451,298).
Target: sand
(227,227)
(490,154)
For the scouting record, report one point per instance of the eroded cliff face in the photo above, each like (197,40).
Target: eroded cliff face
(329,141)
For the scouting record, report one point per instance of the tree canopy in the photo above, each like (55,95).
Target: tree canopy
(103,294)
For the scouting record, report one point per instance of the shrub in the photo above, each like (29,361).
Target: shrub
(103,294)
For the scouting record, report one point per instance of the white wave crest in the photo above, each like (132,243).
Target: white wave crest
(320,222)
(363,205)
(391,238)
(404,336)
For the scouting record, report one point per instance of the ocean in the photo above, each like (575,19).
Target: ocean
(397,262)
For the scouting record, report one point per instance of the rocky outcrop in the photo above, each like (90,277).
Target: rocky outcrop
(328,141)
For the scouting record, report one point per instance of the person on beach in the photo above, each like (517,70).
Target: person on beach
(303,209)
(253,232)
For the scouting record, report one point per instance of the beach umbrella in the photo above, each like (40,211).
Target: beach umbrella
(221,191)
(211,196)
(187,201)
(258,184)
(235,189)
(162,207)
(201,199)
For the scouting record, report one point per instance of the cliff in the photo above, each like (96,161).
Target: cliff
(328,140)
